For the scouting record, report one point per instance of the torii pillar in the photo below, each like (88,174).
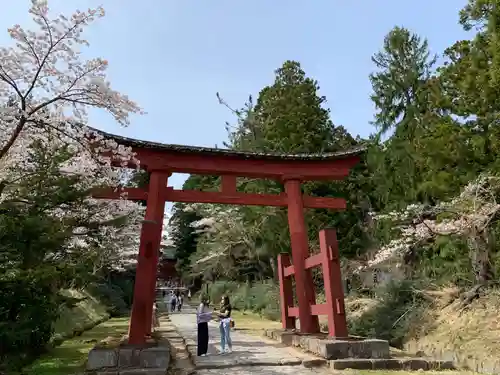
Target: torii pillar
(300,251)
(147,261)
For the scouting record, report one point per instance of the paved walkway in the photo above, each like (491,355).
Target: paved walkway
(251,354)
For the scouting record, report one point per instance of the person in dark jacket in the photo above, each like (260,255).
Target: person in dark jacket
(173,302)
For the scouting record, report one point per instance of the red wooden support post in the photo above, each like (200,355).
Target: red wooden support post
(334,292)
(286,291)
(142,307)
(152,281)
(160,214)
(300,251)
(228,184)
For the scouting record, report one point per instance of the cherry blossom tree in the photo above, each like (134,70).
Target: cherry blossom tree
(45,84)
(226,245)
(469,216)
(46,92)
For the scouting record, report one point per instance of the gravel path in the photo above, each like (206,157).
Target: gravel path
(251,354)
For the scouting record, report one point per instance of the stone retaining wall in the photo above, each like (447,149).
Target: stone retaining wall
(59,338)
(480,365)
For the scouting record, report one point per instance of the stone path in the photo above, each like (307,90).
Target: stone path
(251,354)
(264,370)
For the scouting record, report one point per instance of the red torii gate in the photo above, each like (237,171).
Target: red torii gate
(161,160)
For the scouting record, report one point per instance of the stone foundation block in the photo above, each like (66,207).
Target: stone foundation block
(282,336)
(155,358)
(143,371)
(100,358)
(311,363)
(313,345)
(331,349)
(372,348)
(128,357)
(339,349)
(344,364)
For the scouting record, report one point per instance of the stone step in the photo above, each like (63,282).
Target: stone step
(143,371)
(131,371)
(411,364)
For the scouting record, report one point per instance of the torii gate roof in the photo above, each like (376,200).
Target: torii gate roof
(219,161)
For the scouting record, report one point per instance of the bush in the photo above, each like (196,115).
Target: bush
(399,309)
(110,295)
(27,311)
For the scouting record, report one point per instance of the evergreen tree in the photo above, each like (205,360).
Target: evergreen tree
(471,80)
(403,68)
(402,91)
(289,116)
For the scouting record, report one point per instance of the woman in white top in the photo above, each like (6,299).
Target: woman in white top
(203,316)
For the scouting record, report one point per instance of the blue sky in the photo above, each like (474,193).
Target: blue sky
(173,56)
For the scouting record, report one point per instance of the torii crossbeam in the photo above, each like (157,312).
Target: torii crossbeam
(161,160)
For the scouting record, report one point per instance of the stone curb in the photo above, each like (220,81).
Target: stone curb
(312,363)
(182,363)
(411,364)
(479,365)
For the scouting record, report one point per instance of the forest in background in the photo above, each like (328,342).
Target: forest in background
(423,200)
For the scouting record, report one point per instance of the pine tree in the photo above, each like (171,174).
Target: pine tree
(289,116)
(404,66)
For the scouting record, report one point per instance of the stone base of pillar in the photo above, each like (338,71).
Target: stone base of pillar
(333,348)
(151,358)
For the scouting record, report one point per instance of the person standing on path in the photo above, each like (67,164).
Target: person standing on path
(180,300)
(173,302)
(156,320)
(225,326)
(166,300)
(203,316)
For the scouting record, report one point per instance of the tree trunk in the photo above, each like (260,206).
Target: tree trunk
(272,264)
(480,257)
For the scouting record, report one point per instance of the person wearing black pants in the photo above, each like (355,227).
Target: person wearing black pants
(202,339)
(203,316)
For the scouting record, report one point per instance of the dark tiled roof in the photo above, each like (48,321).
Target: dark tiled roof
(136,143)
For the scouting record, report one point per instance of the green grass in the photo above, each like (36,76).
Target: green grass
(69,358)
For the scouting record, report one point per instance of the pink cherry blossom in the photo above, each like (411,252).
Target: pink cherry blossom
(467,215)
(46,91)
